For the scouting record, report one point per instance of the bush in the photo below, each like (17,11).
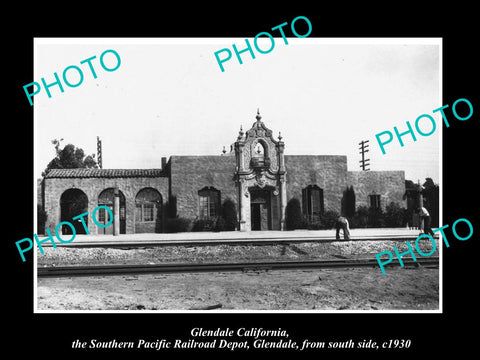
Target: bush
(178,224)
(313,224)
(325,221)
(203,225)
(293,215)
(375,218)
(219,224)
(366,217)
(229,212)
(394,215)
(329,219)
(360,219)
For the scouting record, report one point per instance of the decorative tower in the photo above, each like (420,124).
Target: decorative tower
(260,178)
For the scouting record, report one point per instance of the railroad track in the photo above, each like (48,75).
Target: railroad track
(130,244)
(104,270)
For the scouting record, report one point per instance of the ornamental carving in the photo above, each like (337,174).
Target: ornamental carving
(268,158)
(247,155)
(259,157)
(260,154)
(261,180)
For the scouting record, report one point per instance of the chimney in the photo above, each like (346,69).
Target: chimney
(164,162)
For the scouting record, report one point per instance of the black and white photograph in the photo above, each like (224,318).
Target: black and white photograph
(238,190)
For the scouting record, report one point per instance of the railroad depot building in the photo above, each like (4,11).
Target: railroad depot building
(256,175)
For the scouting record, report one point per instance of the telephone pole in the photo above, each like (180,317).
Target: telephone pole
(363,149)
(99,152)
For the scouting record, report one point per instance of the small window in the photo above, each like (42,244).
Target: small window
(374,201)
(209,203)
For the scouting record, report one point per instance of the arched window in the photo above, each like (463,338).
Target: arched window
(259,155)
(73,202)
(312,201)
(209,202)
(106,198)
(147,203)
(259,151)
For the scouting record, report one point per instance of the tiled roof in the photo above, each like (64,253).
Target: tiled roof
(103,173)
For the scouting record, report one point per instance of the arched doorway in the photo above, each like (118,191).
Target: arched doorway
(73,202)
(264,209)
(106,198)
(148,211)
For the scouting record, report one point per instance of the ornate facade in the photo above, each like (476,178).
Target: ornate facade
(260,178)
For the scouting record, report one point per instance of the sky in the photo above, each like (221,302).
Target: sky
(169,97)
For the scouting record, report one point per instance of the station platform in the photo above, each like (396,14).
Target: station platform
(233,237)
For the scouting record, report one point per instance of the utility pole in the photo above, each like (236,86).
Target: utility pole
(363,149)
(99,152)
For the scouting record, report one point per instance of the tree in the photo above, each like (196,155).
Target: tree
(348,202)
(70,157)
(229,214)
(411,195)
(41,219)
(293,215)
(431,200)
(430,192)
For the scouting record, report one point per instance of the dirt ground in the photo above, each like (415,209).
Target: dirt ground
(326,289)
(339,289)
